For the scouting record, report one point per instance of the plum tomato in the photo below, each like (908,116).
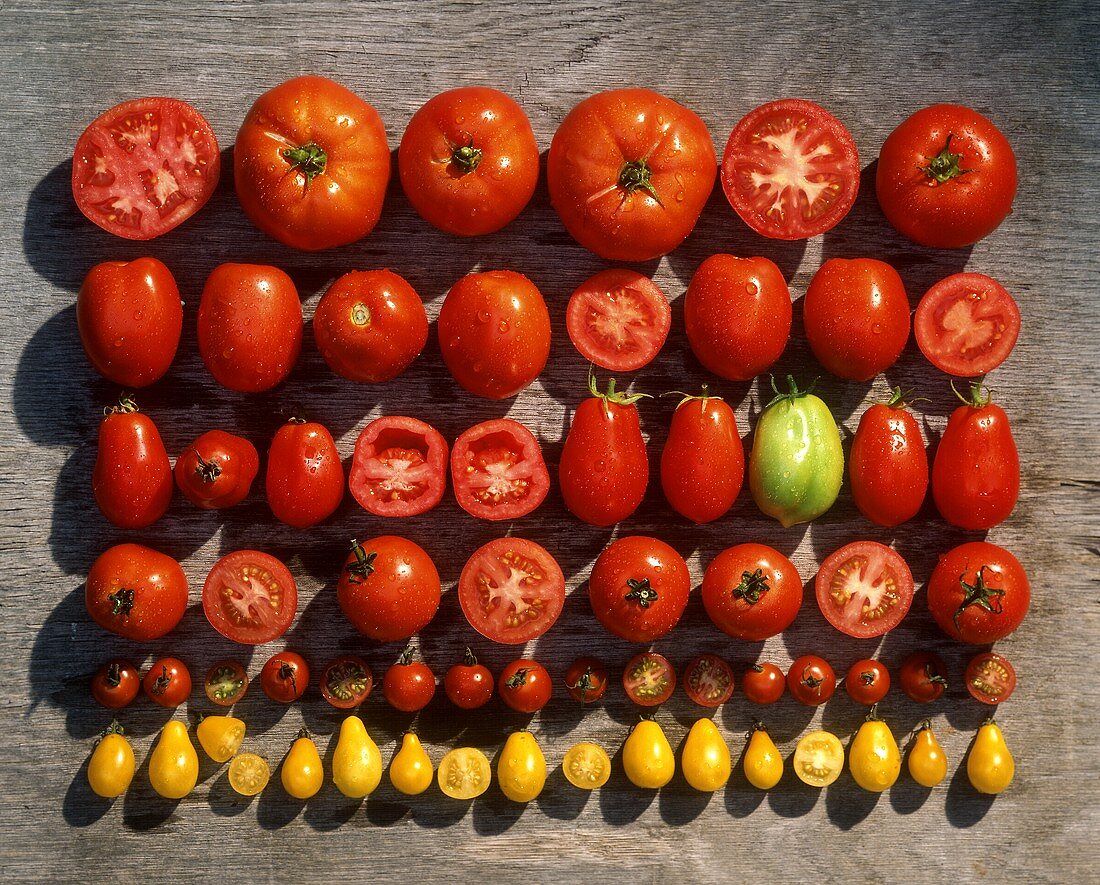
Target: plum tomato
(226,683)
(346,682)
(618,319)
(525,686)
(408,685)
(586,680)
(867,681)
(250,597)
(136,592)
(888,466)
(811,680)
(990,678)
(468,684)
(864,589)
(763,683)
(285,677)
(305,479)
(649,679)
(708,680)
(168,682)
(132,477)
(497,470)
(217,470)
(978,593)
(388,588)
(923,676)
(967,324)
(399,467)
(116,684)
(752,591)
(639,588)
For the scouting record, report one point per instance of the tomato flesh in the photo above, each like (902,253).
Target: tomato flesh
(990,678)
(618,319)
(649,679)
(346,682)
(250,597)
(864,589)
(497,470)
(967,324)
(708,680)
(399,467)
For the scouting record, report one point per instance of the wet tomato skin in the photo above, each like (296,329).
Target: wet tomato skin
(116,684)
(888,466)
(132,477)
(978,593)
(408,685)
(703,459)
(388,588)
(136,592)
(305,479)
(811,680)
(763,683)
(468,684)
(217,470)
(752,591)
(639,588)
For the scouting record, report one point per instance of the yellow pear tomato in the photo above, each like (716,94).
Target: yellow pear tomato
(174,764)
(111,767)
(411,769)
(705,760)
(356,762)
(648,759)
(927,762)
(521,768)
(302,774)
(990,765)
(873,756)
(762,762)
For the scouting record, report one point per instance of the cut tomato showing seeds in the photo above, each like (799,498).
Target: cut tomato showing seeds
(819,758)
(967,324)
(864,589)
(708,680)
(649,679)
(990,678)
(618,319)
(497,470)
(346,682)
(250,597)
(399,467)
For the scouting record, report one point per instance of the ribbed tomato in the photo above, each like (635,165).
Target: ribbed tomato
(497,470)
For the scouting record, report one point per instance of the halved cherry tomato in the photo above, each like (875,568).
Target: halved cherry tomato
(763,683)
(136,592)
(497,470)
(978,593)
(285,677)
(468,684)
(864,589)
(217,470)
(132,477)
(168,682)
(586,680)
(525,686)
(250,597)
(116,684)
(752,591)
(649,679)
(346,682)
(399,467)
(408,685)
(811,680)
(226,683)
(990,678)
(388,588)
(618,319)
(923,676)
(708,680)
(639,588)
(888,466)
(967,324)
(867,681)
(305,479)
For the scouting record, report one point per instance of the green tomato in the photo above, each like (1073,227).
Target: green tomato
(797,464)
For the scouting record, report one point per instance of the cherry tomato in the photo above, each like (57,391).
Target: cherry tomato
(618,319)
(752,591)
(285,677)
(649,679)
(763,683)
(525,686)
(708,680)
(217,470)
(468,684)
(250,597)
(388,588)
(399,467)
(468,161)
(116,684)
(790,170)
(346,682)
(226,683)
(145,166)
(967,324)
(130,316)
(497,470)
(136,592)
(132,477)
(867,681)
(864,589)
(888,466)
(629,172)
(811,681)
(305,479)
(978,593)
(586,680)
(990,678)
(639,588)
(311,164)
(168,682)
(409,685)
(923,676)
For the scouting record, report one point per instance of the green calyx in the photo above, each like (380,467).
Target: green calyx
(752,588)
(363,567)
(466,157)
(640,592)
(792,394)
(309,159)
(689,397)
(634,176)
(945,165)
(612,395)
(979,396)
(979,594)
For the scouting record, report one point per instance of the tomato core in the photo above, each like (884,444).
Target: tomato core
(309,159)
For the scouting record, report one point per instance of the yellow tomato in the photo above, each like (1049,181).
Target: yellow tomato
(411,769)
(818,758)
(521,768)
(927,761)
(586,765)
(111,767)
(248,774)
(873,756)
(762,762)
(706,758)
(356,762)
(464,773)
(648,759)
(220,736)
(990,765)
(174,764)
(302,774)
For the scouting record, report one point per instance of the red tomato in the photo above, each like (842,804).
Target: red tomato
(116,684)
(497,470)
(618,319)
(511,590)
(703,461)
(708,680)
(468,685)
(370,325)
(967,324)
(226,683)
(409,685)
(468,161)
(311,164)
(145,166)
(923,676)
(976,471)
(763,683)
(752,591)
(867,682)
(494,332)
(649,679)
(888,466)
(388,588)
(978,593)
(790,170)
(604,469)
(217,470)
(737,314)
(346,682)
(639,588)
(629,173)
(857,317)
(990,678)
(811,680)
(946,177)
(168,682)
(305,479)
(136,592)
(525,686)
(130,317)
(285,677)
(132,477)
(586,680)
(399,467)
(864,589)
(250,597)
(250,326)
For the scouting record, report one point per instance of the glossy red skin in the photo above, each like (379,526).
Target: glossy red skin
(532,689)
(951,309)
(701,665)
(976,471)
(703,460)
(888,466)
(354,666)
(285,677)
(1002,571)
(634,684)
(737,314)
(159,585)
(959,211)
(132,477)
(804,671)
(370,325)
(127,684)
(857,317)
(920,674)
(398,598)
(473,453)
(976,684)
(250,326)
(468,686)
(341,204)
(867,681)
(596,674)
(168,682)
(305,479)
(278,605)
(607,295)
(130,316)
(400,433)
(481,200)
(234,459)
(764,685)
(409,687)
(494,333)
(639,559)
(777,606)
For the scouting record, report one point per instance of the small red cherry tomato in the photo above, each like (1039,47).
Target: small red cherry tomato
(811,680)
(708,680)
(346,682)
(649,679)
(285,677)
(399,467)
(132,477)
(226,683)
(468,684)
(217,470)
(116,684)
(888,466)
(923,676)
(990,678)
(409,685)
(618,319)
(867,681)
(763,683)
(305,479)
(586,680)
(168,682)
(525,686)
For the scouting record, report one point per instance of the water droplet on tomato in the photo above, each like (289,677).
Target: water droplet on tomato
(877,329)
(752,288)
(503,326)
(138,314)
(483,316)
(118,342)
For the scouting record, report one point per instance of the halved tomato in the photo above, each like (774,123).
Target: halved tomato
(990,678)
(346,682)
(864,589)
(791,169)
(649,679)
(618,319)
(250,597)
(967,324)
(708,680)
(399,467)
(511,590)
(497,470)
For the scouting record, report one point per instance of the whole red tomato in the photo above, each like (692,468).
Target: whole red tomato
(978,593)
(811,680)
(132,477)
(285,677)
(305,479)
(639,588)
(586,680)
(923,676)
(468,684)
(409,685)
(752,591)
(217,470)
(136,592)
(737,314)
(370,325)
(867,681)
(388,588)
(311,164)
(468,160)
(946,177)
(168,682)
(525,686)
(116,684)
(888,466)
(763,683)
(250,326)
(629,172)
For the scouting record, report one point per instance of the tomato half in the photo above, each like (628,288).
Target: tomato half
(990,678)
(864,589)
(967,324)
(388,588)
(978,593)
(763,683)
(305,479)
(752,591)
(639,588)
(618,319)
(226,683)
(399,467)
(497,470)
(708,680)
(346,682)
(250,597)
(867,681)
(649,679)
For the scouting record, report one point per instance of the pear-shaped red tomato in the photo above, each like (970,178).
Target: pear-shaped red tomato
(703,461)
(305,480)
(888,466)
(132,478)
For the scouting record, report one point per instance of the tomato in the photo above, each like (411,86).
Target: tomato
(168,682)
(468,161)
(586,766)
(220,736)
(464,773)
(285,677)
(408,685)
(811,680)
(111,766)
(818,759)
(978,593)
(649,679)
(648,759)
(346,682)
(388,588)
(311,164)
(763,683)
(990,678)
(867,681)
(248,774)
(217,470)
(888,466)
(629,172)
(136,592)
(989,764)
(132,477)
(497,470)
(356,761)
(796,464)
(967,324)
(705,759)
(250,597)
(494,332)
(586,680)
(604,469)
(116,684)
(525,686)
(521,767)
(864,589)
(946,177)
(708,680)
(927,763)
(873,756)
(302,772)
(250,326)
(857,317)
(130,316)
(305,479)
(399,467)
(762,761)
(618,319)
(703,460)
(145,166)
(226,683)
(639,588)
(411,768)
(923,676)
(173,764)
(752,591)
(468,684)
(790,170)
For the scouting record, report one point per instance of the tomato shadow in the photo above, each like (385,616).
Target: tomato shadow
(964,806)
(792,798)
(81,807)
(493,813)
(224,801)
(847,805)
(560,800)
(143,809)
(381,809)
(622,803)
(741,798)
(276,808)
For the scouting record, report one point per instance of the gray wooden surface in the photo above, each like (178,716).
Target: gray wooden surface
(1032,68)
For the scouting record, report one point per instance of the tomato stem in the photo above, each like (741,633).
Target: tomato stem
(757,725)
(518,678)
(634,176)
(208,471)
(793,394)
(689,397)
(114,674)
(406,656)
(468,658)
(466,157)
(945,165)
(309,159)
(640,592)
(872,714)
(980,395)
(584,684)
(752,587)
(125,406)
(979,594)
(122,601)
(363,567)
